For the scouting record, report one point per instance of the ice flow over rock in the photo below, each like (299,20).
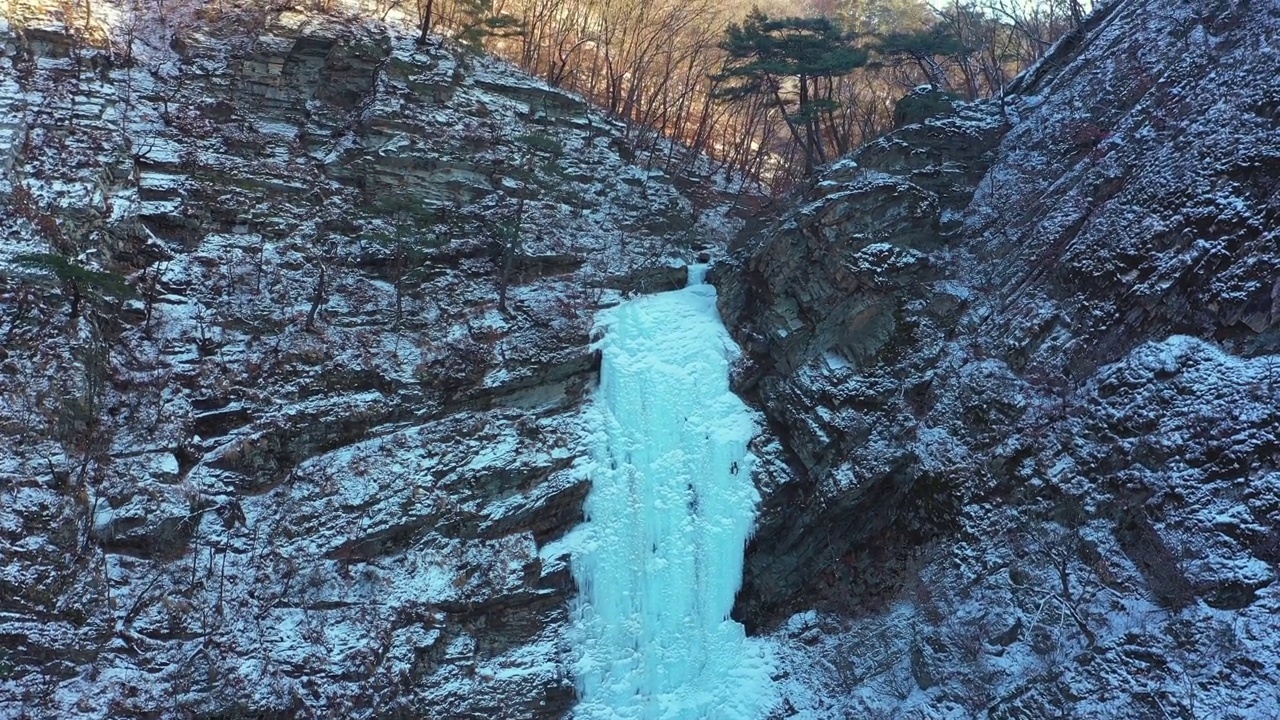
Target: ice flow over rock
(672,503)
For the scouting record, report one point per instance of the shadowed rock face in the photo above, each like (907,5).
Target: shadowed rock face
(936,331)
(854,277)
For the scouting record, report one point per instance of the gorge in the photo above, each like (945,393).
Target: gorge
(1001,388)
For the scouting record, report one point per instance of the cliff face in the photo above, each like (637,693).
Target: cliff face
(308,466)
(1018,360)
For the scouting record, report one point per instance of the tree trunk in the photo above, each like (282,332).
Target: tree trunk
(316,300)
(424,24)
(791,126)
(75,302)
(510,248)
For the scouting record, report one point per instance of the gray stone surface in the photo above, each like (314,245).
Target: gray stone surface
(215,508)
(1016,363)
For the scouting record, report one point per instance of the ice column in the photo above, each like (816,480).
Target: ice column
(659,560)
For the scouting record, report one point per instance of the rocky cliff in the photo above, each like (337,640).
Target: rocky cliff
(289,426)
(1020,363)
(305,465)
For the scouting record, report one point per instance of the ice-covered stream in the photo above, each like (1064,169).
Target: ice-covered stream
(660,557)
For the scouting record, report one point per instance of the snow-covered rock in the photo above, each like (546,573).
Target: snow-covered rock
(1031,472)
(309,467)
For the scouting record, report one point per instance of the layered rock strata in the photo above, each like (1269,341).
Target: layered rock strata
(306,465)
(1017,359)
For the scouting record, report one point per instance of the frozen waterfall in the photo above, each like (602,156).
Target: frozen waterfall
(660,557)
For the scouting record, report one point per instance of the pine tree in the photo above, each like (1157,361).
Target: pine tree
(475,20)
(923,47)
(78,280)
(479,23)
(792,62)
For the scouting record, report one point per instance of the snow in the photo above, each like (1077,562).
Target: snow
(672,503)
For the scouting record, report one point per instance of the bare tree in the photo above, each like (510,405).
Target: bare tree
(425,14)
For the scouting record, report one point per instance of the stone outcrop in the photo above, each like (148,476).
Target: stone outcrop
(308,466)
(854,275)
(1014,359)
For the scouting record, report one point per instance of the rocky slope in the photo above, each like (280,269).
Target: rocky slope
(1020,360)
(305,467)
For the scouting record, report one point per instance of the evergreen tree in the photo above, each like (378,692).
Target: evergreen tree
(78,280)
(509,227)
(479,23)
(411,230)
(792,62)
(475,20)
(923,47)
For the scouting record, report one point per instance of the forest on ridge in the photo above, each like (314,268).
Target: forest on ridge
(768,90)
(771,89)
